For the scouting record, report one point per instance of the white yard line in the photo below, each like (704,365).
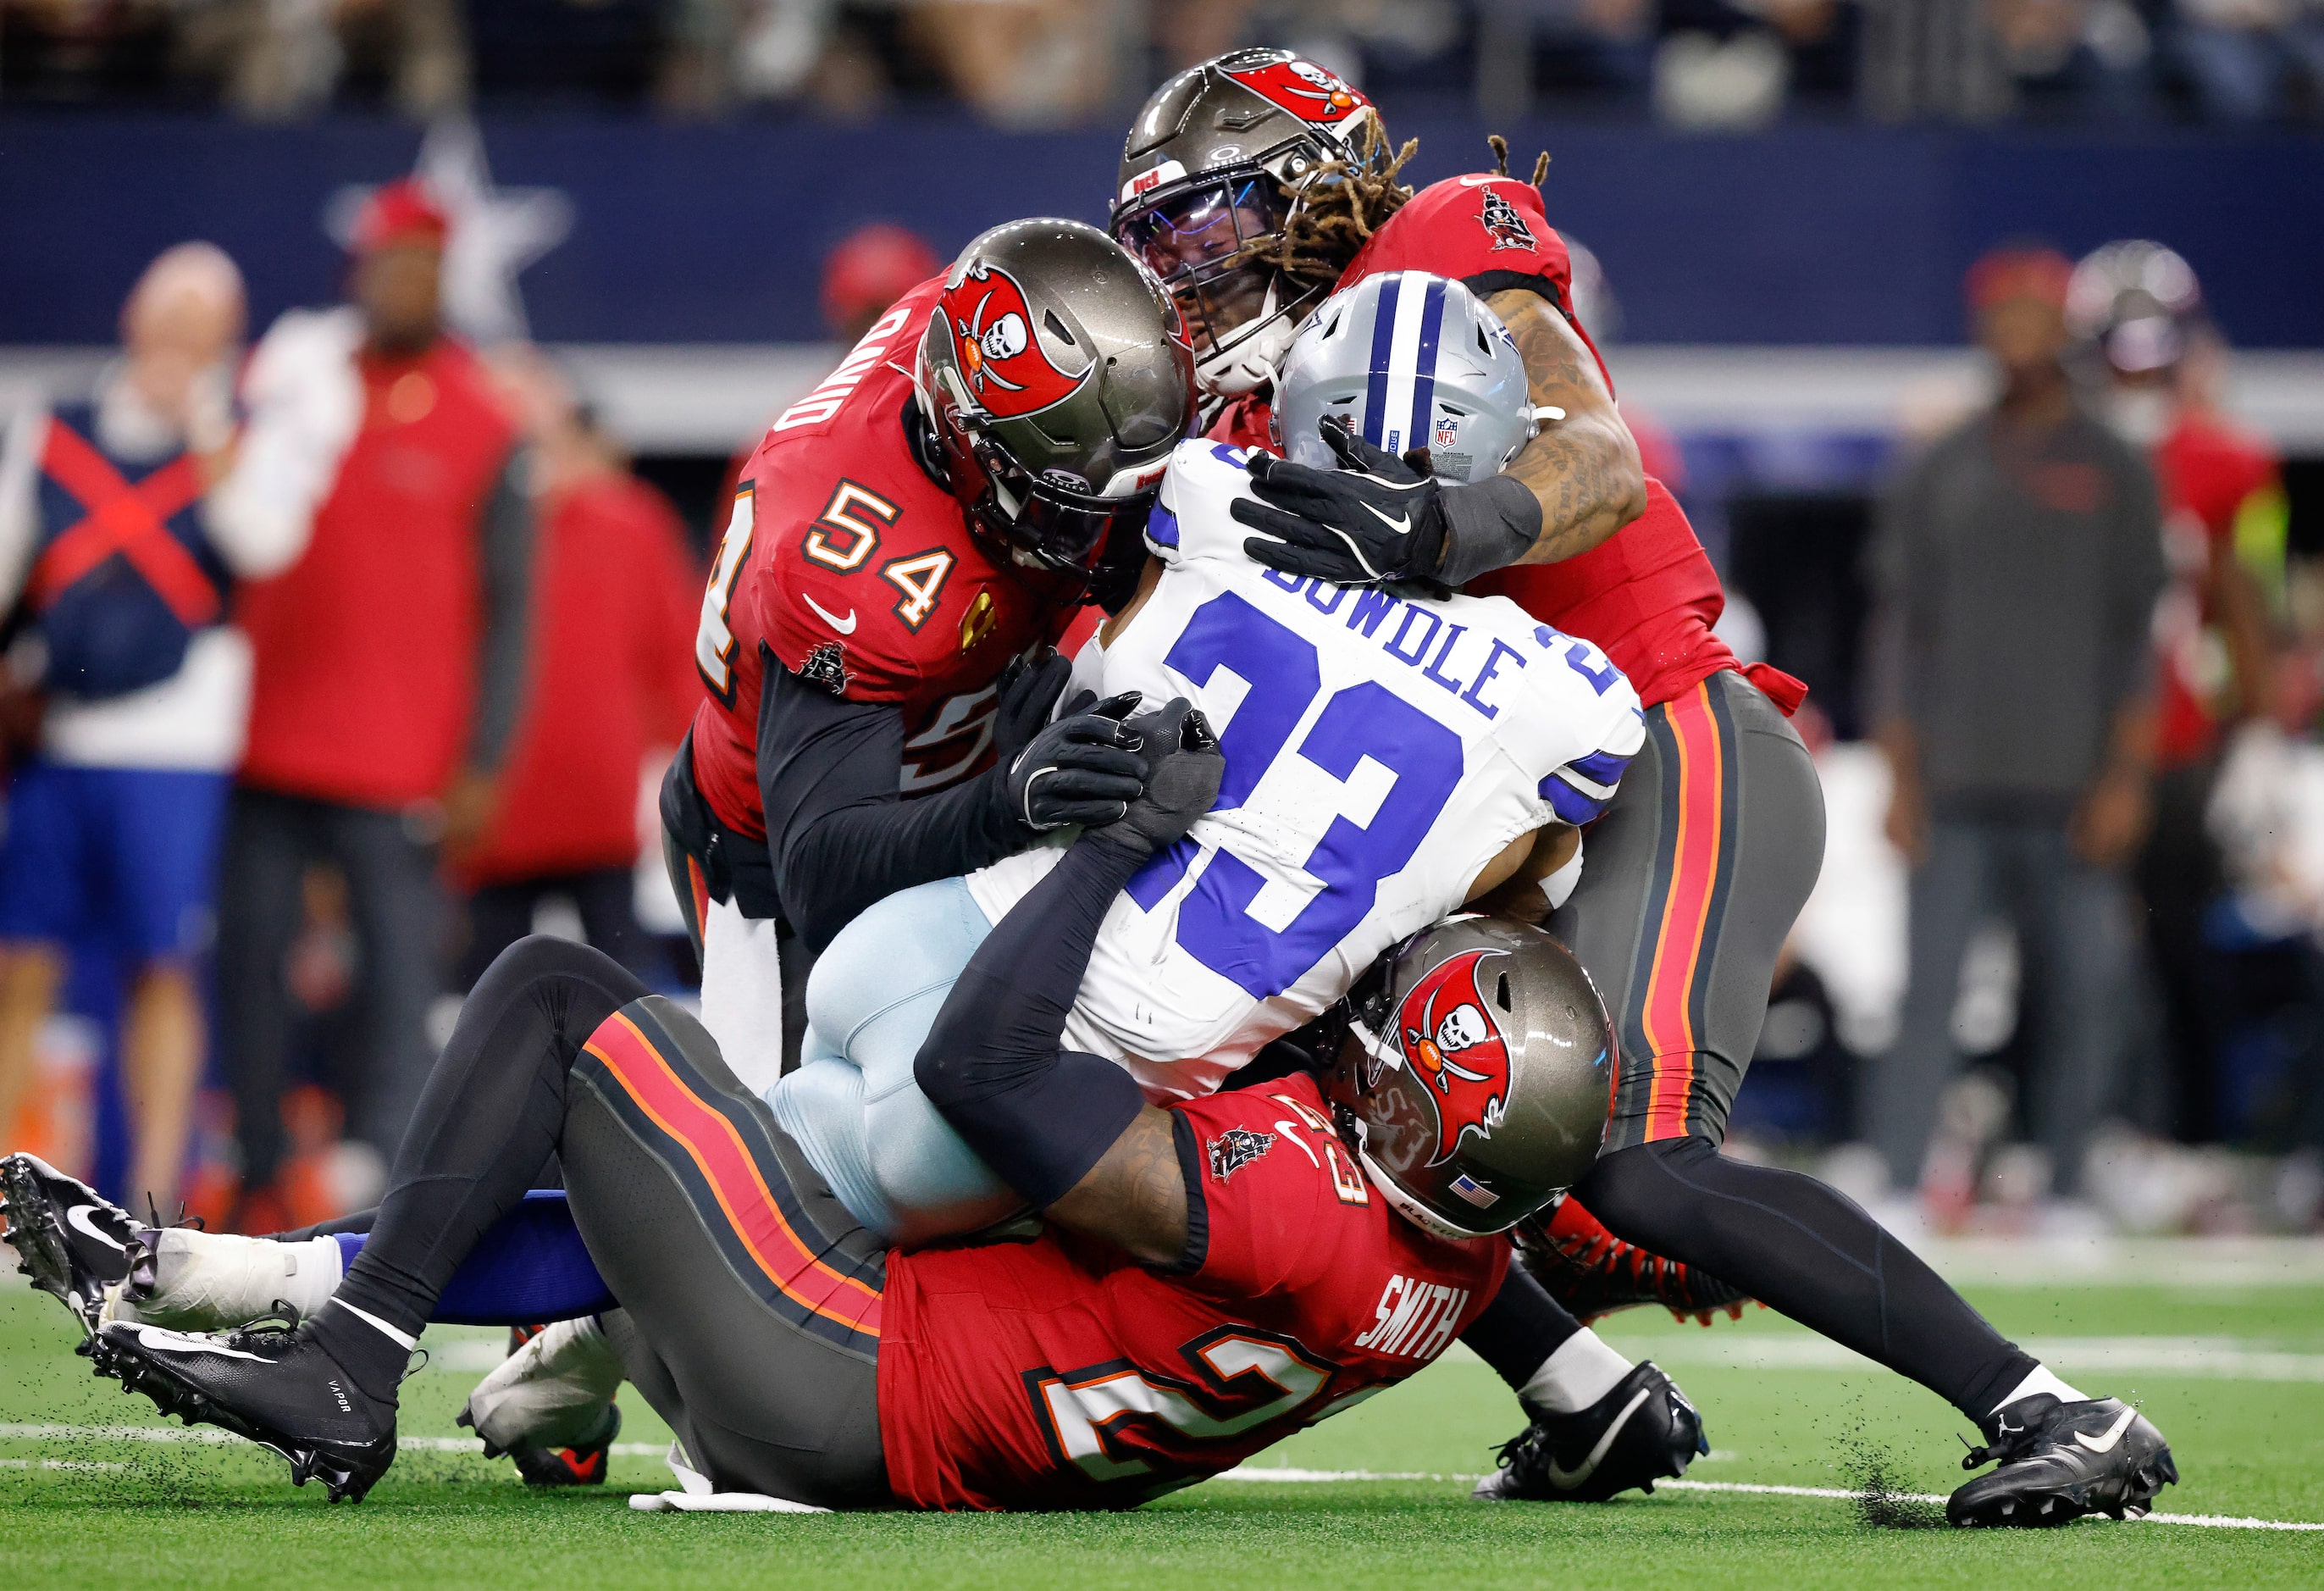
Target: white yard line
(2197,1358)
(1318,1476)
(1268,1476)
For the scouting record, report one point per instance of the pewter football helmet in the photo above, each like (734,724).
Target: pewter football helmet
(1208,171)
(1058,379)
(1478,1070)
(1407,360)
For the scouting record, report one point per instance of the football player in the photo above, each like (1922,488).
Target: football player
(1212,1276)
(899,539)
(1254,185)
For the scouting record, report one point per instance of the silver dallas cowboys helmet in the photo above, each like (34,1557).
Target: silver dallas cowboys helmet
(1407,360)
(1058,380)
(1478,1070)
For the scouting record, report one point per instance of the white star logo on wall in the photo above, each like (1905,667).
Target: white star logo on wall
(496,232)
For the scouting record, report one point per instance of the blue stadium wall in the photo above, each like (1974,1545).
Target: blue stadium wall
(714,233)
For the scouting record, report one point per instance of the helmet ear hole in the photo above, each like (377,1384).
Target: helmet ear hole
(1503,993)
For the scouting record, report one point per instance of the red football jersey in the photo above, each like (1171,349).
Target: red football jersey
(1060,1373)
(859,572)
(2209,470)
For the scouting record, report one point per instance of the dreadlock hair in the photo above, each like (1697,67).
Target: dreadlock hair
(1500,148)
(1337,208)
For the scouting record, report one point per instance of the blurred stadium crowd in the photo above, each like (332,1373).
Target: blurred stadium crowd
(1040,63)
(2065,636)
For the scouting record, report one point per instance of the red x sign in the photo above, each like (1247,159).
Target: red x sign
(124,519)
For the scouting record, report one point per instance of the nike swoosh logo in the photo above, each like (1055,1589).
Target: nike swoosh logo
(1480,181)
(845,627)
(2106,1443)
(79,1218)
(160,1340)
(1402,526)
(1565,1480)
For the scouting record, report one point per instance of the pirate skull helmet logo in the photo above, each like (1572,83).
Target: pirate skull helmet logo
(1454,1047)
(1009,372)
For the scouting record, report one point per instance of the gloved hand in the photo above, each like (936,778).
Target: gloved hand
(1375,520)
(1082,769)
(1028,689)
(1184,767)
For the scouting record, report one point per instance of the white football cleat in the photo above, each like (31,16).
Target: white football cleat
(552,1392)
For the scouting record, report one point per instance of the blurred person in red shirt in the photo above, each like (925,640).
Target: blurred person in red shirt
(389,670)
(613,685)
(869,269)
(2138,310)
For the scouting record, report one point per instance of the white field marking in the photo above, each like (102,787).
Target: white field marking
(213,1436)
(61,1464)
(1319,1476)
(2220,1358)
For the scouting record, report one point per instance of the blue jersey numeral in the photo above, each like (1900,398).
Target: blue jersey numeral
(1283,679)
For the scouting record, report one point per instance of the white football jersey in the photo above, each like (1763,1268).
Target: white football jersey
(1379,752)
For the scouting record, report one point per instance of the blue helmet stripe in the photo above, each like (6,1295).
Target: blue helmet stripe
(1424,375)
(1383,336)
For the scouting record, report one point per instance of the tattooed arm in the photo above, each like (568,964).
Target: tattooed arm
(1583,469)
(1135,1197)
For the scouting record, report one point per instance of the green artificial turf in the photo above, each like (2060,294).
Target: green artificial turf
(88,1509)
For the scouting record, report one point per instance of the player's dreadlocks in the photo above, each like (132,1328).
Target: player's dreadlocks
(1337,208)
(1342,203)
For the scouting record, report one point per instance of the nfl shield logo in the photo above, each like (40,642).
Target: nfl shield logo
(1448,430)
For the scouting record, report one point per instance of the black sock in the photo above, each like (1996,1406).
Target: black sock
(372,1354)
(1808,1251)
(489,1118)
(1519,1329)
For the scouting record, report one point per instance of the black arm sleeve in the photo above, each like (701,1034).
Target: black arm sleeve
(1040,1117)
(1519,1329)
(506,547)
(838,834)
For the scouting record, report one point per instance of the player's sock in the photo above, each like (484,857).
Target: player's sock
(1520,1330)
(1582,1370)
(1801,1247)
(486,1123)
(2039,1381)
(372,1350)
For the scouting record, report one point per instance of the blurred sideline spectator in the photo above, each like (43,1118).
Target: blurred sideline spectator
(872,267)
(2138,310)
(1727,64)
(117,533)
(389,664)
(2017,565)
(613,686)
(279,59)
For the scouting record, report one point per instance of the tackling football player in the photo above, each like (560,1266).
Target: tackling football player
(895,541)
(1212,1276)
(1254,185)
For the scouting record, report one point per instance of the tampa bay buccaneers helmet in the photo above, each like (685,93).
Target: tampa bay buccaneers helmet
(1478,1068)
(1211,167)
(1057,379)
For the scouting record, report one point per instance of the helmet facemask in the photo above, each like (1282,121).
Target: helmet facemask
(1208,238)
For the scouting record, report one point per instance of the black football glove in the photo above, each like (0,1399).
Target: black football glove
(1082,769)
(1185,765)
(1375,520)
(1383,521)
(1028,689)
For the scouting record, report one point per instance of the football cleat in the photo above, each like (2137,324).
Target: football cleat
(549,1404)
(581,1464)
(269,1383)
(73,1242)
(1592,1273)
(2058,1461)
(1643,1432)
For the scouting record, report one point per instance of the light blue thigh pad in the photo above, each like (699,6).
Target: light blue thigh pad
(854,1105)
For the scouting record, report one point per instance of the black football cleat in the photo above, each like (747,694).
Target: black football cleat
(72,1242)
(1592,1273)
(2058,1461)
(267,1382)
(1643,1432)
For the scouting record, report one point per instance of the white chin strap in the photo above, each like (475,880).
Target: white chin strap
(1249,362)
